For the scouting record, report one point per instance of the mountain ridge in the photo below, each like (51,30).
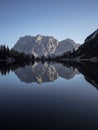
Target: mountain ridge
(44,45)
(88,50)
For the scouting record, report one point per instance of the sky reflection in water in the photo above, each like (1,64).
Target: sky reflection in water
(69,102)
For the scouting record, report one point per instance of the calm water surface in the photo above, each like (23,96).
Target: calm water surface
(50,96)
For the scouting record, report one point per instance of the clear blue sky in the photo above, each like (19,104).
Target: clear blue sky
(74,19)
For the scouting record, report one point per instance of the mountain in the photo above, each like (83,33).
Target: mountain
(66,45)
(41,73)
(89,50)
(37,45)
(44,45)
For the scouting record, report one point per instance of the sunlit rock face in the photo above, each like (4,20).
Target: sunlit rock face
(44,45)
(37,45)
(41,73)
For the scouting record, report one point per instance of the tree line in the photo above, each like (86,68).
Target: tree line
(11,55)
(7,54)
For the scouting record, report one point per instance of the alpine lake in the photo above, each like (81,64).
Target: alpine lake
(49,96)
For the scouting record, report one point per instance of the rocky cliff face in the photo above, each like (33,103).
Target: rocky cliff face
(66,45)
(44,45)
(39,45)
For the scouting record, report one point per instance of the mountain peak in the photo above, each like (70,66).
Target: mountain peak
(69,41)
(39,38)
(43,45)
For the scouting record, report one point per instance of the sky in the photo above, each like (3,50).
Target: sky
(74,19)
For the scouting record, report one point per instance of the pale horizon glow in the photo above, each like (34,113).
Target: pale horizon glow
(61,19)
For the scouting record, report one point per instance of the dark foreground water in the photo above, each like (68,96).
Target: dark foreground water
(49,96)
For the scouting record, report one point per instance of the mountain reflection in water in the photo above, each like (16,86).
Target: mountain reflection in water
(49,71)
(36,102)
(46,72)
